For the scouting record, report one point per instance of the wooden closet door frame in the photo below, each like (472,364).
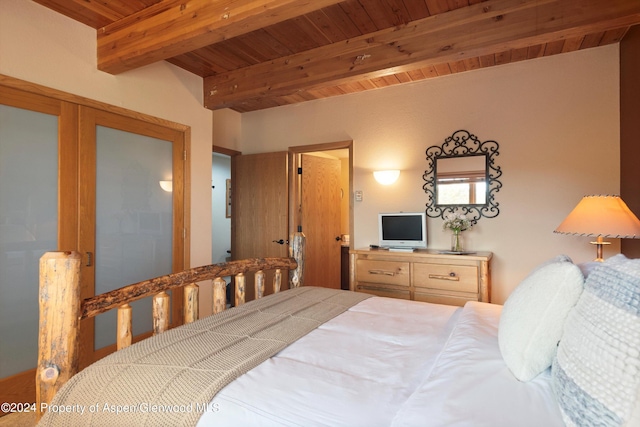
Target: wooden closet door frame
(23,94)
(21,387)
(89,119)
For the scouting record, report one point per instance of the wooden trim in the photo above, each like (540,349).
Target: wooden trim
(294,181)
(630,130)
(325,146)
(226,151)
(16,97)
(496,25)
(12,82)
(139,39)
(186,220)
(68,202)
(18,388)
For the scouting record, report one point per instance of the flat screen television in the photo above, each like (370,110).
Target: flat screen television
(403,230)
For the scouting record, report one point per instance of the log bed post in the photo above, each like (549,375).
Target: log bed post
(219,295)
(124,328)
(59,323)
(240,283)
(259,285)
(277,281)
(160,313)
(190,309)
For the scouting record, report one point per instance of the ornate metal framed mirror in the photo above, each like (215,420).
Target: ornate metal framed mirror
(462,176)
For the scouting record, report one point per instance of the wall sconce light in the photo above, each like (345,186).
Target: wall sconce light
(167,186)
(601,216)
(386,177)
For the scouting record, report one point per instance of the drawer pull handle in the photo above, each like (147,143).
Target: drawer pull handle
(452,276)
(382,272)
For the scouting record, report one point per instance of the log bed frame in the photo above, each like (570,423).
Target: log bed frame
(61,308)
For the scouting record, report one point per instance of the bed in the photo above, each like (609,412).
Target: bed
(311,356)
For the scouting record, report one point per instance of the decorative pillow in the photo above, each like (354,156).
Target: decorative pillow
(533,316)
(588,267)
(596,374)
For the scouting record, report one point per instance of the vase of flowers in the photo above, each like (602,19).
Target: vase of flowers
(457,223)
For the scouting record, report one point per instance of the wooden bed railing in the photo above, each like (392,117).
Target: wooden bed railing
(61,308)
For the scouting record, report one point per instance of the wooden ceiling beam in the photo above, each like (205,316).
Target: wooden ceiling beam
(174,27)
(481,29)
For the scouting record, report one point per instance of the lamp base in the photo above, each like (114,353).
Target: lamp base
(599,243)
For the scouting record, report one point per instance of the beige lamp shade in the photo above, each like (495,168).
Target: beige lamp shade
(601,216)
(604,216)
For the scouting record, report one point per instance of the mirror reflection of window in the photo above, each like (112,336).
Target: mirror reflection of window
(461,180)
(461,192)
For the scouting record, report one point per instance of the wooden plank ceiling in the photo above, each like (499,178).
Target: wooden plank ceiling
(256,54)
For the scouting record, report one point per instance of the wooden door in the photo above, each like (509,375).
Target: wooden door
(131,227)
(47,131)
(259,211)
(320,220)
(38,213)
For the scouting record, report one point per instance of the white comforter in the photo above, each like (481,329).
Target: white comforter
(389,362)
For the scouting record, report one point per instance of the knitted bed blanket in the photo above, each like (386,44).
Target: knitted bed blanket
(170,379)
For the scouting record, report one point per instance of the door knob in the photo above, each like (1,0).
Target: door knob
(338,238)
(281,241)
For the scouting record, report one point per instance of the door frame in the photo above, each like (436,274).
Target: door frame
(21,387)
(294,181)
(231,153)
(32,96)
(89,119)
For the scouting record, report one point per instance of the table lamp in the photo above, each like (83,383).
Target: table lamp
(601,216)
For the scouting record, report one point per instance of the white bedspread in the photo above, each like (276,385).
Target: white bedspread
(471,386)
(416,364)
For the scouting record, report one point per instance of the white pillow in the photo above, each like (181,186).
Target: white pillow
(596,374)
(533,316)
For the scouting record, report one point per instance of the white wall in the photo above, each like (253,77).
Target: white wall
(227,129)
(556,120)
(44,47)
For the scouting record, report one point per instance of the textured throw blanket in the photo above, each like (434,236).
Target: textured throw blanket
(169,379)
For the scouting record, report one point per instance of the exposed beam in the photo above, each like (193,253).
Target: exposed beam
(485,28)
(174,27)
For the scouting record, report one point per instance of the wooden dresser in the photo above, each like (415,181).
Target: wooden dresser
(422,275)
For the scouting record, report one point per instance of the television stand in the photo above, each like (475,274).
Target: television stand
(392,249)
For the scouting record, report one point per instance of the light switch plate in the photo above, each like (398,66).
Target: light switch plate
(358,195)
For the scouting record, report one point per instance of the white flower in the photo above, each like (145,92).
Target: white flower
(456,222)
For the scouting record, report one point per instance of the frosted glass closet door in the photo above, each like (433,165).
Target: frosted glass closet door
(28,228)
(133,220)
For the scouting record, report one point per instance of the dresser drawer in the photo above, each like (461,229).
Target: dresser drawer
(383,291)
(390,272)
(462,278)
(444,299)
